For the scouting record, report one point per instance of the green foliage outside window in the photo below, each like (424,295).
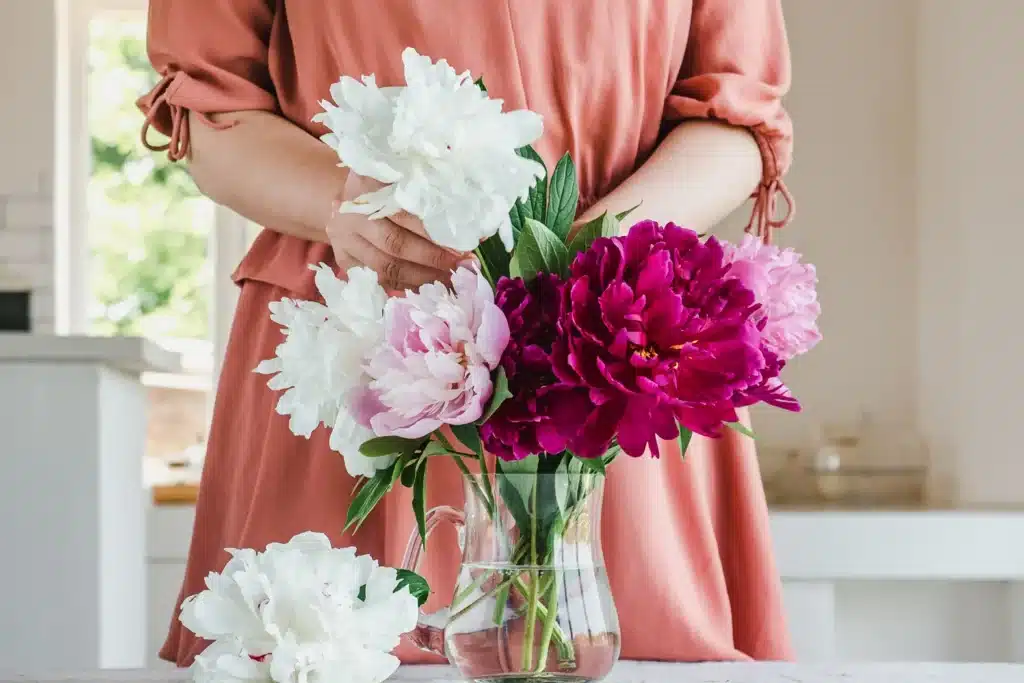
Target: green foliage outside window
(148,225)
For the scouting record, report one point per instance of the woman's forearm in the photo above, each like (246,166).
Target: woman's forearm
(268,170)
(699,174)
(277,175)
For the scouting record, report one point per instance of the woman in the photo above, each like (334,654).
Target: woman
(674,103)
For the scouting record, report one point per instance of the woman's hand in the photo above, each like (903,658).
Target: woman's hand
(397,249)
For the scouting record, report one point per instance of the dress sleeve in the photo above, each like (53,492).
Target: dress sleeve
(736,69)
(212,59)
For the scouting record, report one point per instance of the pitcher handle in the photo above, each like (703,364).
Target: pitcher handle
(429,632)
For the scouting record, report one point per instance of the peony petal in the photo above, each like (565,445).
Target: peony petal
(377,204)
(492,335)
(524,127)
(635,434)
(598,431)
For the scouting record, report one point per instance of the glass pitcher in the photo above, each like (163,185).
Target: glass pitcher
(532,600)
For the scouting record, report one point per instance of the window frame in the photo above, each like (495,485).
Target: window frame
(231,234)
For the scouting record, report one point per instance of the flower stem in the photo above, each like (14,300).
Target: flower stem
(465,592)
(500,600)
(533,598)
(487,482)
(566,651)
(549,622)
(531,620)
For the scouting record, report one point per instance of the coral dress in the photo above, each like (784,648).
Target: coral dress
(687,542)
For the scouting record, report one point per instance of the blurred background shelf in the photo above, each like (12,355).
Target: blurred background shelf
(175,494)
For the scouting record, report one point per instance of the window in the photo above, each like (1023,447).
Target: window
(148,226)
(139,250)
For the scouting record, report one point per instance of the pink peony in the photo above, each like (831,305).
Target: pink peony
(435,365)
(785,288)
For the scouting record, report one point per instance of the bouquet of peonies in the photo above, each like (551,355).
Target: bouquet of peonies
(567,345)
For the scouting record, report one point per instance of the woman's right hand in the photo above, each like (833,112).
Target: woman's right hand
(397,249)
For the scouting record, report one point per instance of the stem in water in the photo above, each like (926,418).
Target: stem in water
(549,622)
(534,596)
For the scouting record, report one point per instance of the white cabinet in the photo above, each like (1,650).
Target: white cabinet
(858,586)
(903,586)
(72,420)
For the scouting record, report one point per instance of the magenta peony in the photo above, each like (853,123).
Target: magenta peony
(435,365)
(542,413)
(659,334)
(785,288)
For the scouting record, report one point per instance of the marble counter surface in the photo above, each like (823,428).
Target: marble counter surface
(129,354)
(650,672)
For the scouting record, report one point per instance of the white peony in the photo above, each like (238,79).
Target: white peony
(226,661)
(300,612)
(321,360)
(445,151)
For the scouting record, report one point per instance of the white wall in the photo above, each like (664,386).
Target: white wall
(27,35)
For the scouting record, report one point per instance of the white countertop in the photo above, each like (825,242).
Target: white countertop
(128,354)
(810,545)
(652,672)
(919,545)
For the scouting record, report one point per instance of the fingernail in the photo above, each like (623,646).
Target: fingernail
(468,263)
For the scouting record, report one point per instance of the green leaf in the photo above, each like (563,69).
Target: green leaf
(369,495)
(436,448)
(596,465)
(388,445)
(741,428)
(416,584)
(604,225)
(518,214)
(621,216)
(499,395)
(419,497)
(399,467)
(684,440)
(537,202)
(562,480)
(576,470)
(551,491)
(563,198)
(469,437)
(539,251)
(409,474)
(515,485)
(494,258)
(480,84)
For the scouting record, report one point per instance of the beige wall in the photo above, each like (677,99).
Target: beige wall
(970,238)
(853,106)
(909,188)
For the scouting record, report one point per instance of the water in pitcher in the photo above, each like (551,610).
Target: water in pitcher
(553,622)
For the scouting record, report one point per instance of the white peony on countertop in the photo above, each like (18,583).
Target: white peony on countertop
(649,672)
